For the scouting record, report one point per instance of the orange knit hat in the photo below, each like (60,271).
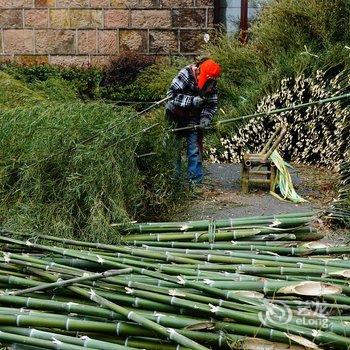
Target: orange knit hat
(209,69)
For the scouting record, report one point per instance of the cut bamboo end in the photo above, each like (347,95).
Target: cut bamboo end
(309,288)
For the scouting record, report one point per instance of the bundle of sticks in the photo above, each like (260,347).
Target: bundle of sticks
(316,135)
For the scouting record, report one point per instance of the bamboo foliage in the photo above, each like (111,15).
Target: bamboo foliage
(340,208)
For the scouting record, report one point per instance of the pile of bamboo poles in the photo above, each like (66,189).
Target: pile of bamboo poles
(340,208)
(242,283)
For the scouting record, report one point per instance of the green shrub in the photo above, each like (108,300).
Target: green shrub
(150,84)
(290,25)
(52,182)
(125,68)
(85,81)
(57,89)
(289,37)
(15,93)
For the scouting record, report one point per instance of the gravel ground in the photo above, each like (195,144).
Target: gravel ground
(221,196)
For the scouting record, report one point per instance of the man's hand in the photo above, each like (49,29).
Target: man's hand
(204,122)
(198,101)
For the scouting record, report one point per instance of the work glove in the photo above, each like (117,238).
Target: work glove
(198,101)
(204,122)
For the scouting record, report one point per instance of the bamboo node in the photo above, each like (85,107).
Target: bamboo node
(99,259)
(316,333)
(18,318)
(214,309)
(181,280)
(7,257)
(129,290)
(208,281)
(171,332)
(57,342)
(92,294)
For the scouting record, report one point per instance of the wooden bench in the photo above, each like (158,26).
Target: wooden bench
(257,168)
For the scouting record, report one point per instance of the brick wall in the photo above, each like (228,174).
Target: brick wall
(94,31)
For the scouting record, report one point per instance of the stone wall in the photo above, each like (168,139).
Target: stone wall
(93,31)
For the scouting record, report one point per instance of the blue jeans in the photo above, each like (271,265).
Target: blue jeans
(194,155)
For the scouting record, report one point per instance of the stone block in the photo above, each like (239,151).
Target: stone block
(121,4)
(99,3)
(101,61)
(151,18)
(18,41)
(55,42)
(16,3)
(149,3)
(85,18)
(72,3)
(163,41)
(44,3)
(189,18)
(87,41)
(81,61)
(191,41)
(22,3)
(116,19)
(59,18)
(11,18)
(133,40)
(108,42)
(31,60)
(36,18)
(205,3)
(6,58)
(176,3)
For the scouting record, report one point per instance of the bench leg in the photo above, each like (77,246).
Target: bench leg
(272,178)
(245,179)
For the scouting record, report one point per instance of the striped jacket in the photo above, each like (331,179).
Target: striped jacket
(182,90)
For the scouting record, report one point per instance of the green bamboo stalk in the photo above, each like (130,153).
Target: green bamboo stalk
(110,264)
(89,310)
(84,342)
(251,319)
(214,248)
(70,306)
(65,283)
(287,109)
(168,333)
(294,220)
(46,344)
(233,256)
(194,297)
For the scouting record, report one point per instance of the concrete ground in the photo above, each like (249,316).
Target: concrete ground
(221,196)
